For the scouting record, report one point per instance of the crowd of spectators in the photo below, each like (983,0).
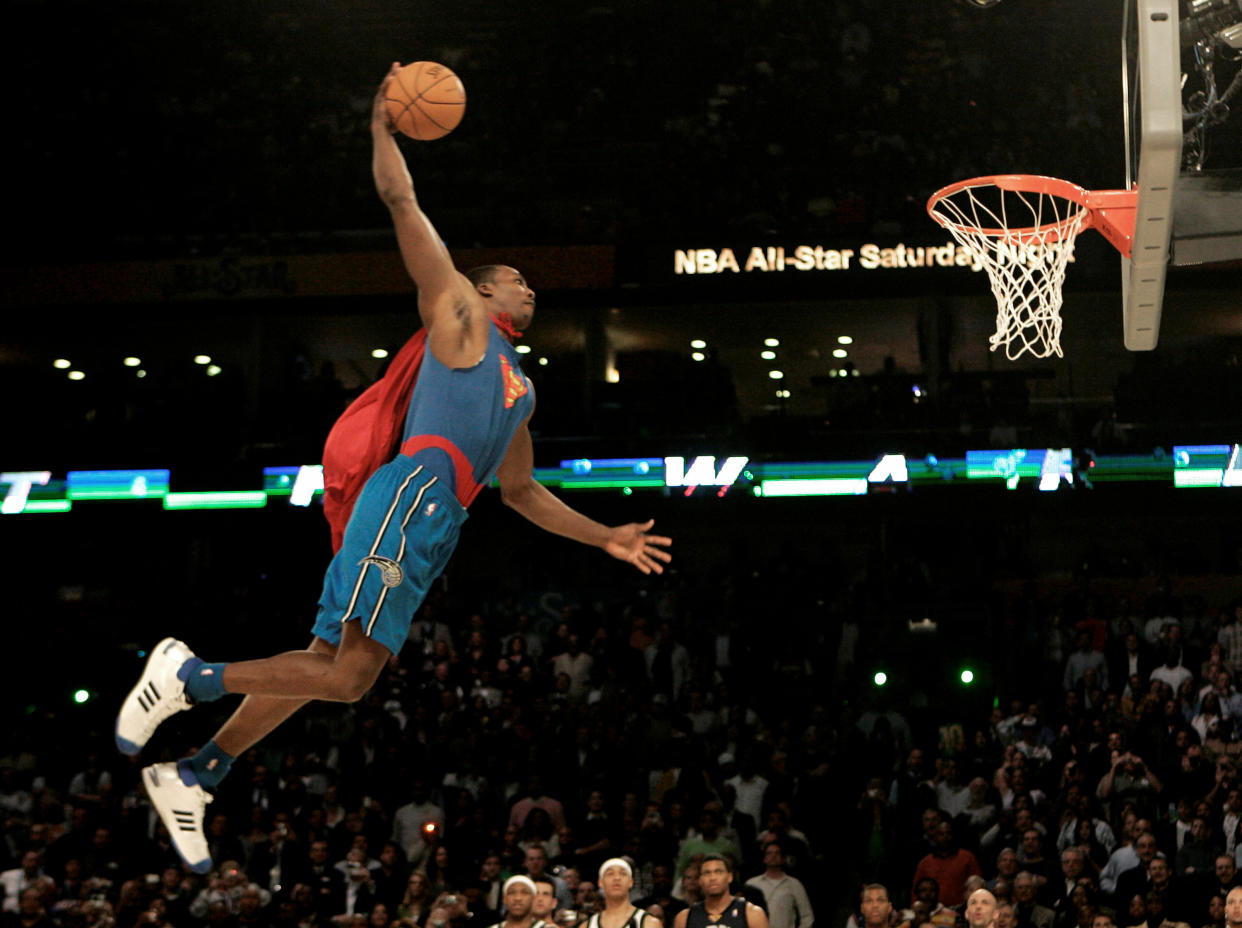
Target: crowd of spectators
(510,742)
(1116,792)
(485,750)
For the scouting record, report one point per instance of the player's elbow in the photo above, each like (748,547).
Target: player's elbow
(516,495)
(399,198)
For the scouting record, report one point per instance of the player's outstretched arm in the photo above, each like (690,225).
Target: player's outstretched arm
(447,303)
(523,493)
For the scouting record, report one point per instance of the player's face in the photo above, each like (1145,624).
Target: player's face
(875,907)
(544,901)
(615,882)
(714,878)
(518,900)
(513,296)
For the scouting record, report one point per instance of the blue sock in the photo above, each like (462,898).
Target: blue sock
(203,682)
(206,768)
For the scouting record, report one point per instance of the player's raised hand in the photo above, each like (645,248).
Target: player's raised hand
(379,112)
(632,544)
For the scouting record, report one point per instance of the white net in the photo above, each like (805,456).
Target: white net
(1024,240)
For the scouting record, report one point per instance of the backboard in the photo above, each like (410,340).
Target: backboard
(1189,210)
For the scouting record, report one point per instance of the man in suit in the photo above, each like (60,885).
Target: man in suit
(1132,655)
(1029,913)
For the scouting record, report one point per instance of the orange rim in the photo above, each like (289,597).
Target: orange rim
(1015,183)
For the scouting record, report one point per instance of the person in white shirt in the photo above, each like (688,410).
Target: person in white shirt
(749,788)
(29,875)
(410,819)
(787,900)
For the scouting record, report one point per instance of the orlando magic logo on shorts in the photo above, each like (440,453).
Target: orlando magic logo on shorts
(390,571)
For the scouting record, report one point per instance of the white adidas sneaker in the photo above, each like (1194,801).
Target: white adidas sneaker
(158,695)
(180,807)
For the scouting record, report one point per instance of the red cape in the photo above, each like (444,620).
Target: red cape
(367,435)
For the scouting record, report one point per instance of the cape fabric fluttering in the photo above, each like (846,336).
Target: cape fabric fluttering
(368,433)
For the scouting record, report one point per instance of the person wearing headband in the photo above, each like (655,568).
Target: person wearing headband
(616,879)
(518,896)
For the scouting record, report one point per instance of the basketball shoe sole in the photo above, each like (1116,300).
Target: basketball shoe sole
(158,694)
(180,807)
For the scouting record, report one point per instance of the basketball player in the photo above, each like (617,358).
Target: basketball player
(465,421)
(519,897)
(616,879)
(719,905)
(544,905)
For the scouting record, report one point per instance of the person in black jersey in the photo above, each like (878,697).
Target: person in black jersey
(616,879)
(719,906)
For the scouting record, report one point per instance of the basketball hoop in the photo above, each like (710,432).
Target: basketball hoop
(1021,228)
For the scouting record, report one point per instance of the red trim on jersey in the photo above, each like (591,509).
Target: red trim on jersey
(467,489)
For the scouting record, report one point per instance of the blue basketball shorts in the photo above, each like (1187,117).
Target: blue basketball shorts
(400,537)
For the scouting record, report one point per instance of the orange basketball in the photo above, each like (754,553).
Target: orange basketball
(425,100)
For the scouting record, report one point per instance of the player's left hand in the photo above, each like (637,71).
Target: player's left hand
(379,109)
(632,544)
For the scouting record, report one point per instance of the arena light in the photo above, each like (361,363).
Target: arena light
(844,340)
(768,355)
(46,505)
(698,356)
(840,353)
(772,342)
(213,370)
(76,375)
(81,697)
(131,361)
(543,362)
(967,676)
(522,349)
(880,678)
(62,364)
(381,353)
(202,359)
(698,343)
(228,499)
(116,484)
(776,375)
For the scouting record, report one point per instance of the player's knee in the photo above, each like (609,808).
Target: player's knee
(352,683)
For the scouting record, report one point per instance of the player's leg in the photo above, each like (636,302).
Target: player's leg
(341,677)
(178,790)
(258,716)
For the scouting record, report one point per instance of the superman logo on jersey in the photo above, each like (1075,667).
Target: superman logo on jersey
(515,384)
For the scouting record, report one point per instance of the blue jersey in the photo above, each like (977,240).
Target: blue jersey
(461,420)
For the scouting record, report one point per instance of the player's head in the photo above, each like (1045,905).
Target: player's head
(519,895)
(544,903)
(715,875)
(875,906)
(616,878)
(504,290)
